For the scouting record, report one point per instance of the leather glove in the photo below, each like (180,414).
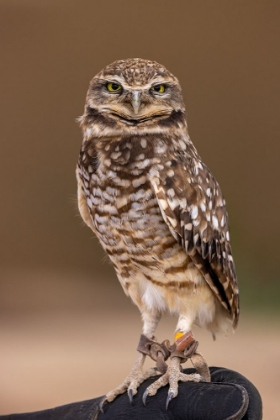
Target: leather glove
(229,396)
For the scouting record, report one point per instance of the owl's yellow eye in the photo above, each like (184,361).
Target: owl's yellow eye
(158,88)
(113,87)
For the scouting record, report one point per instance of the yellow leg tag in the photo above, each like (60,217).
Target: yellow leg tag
(178,335)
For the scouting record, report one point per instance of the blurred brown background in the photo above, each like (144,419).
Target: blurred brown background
(60,301)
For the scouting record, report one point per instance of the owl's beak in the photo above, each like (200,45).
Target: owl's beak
(136,101)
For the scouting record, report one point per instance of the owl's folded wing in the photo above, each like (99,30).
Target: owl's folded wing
(193,207)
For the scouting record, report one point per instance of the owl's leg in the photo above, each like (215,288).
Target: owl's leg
(137,375)
(183,348)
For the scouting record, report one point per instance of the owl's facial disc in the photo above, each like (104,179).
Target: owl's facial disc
(134,92)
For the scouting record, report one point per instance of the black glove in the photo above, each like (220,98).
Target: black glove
(229,396)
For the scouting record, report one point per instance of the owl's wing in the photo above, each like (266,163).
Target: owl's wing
(193,207)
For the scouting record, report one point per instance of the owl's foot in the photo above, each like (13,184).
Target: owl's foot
(184,348)
(157,352)
(172,376)
(130,384)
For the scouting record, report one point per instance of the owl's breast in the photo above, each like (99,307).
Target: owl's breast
(122,205)
(125,212)
(130,227)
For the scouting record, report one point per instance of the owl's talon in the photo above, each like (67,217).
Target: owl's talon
(145,395)
(130,395)
(101,405)
(170,396)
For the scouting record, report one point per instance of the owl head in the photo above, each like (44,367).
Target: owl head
(134,92)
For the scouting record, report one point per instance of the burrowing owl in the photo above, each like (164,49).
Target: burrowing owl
(157,211)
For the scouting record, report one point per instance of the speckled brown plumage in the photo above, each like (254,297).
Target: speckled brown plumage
(156,208)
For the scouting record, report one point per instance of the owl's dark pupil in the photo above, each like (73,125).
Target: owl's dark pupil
(157,88)
(115,86)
